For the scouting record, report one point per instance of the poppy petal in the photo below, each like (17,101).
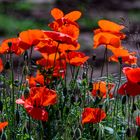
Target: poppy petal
(57,13)
(107,25)
(73,16)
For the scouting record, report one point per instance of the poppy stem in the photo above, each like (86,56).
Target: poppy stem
(104,59)
(12,93)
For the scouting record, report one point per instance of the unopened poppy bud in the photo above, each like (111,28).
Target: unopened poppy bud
(128,132)
(25,55)
(72,99)
(93,57)
(24,130)
(90,86)
(123,99)
(138,133)
(16,83)
(25,70)
(3,137)
(28,126)
(84,75)
(120,59)
(67,110)
(26,92)
(7,65)
(134,108)
(65,91)
(1,106)
(98,92)
(17,116)
(9,44)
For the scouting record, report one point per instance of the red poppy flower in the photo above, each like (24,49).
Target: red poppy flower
(130,89)
(14,48)
(3,125)
(37,113)
(58,14)
(93,115)
(132,74)
(63,48)
(138,121)
(30,38)
(107,25)
(47,46)
(76,58)
(39,97)
(61,37)
(65,23)
(38,79)
(105,38)
(101,89)
(108,34)
(127,57)
(1,65)
(132,86)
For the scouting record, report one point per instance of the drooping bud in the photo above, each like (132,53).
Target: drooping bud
(17,117)
(120,59)
(26,92)
(7,65)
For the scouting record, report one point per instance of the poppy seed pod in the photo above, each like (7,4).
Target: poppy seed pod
(9,44)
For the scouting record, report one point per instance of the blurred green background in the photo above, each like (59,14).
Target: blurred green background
(18,15)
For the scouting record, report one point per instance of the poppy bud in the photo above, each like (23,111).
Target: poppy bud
(9,44)
(72,99)
(133,107)
(25,55)
(97,100)
(16,83)
(84,76)
(1,106)
(138,133)
(90,86)
(67,110)
(123,99)
(7,65)
(25,70)
(77,134)
(120,59)
(3,137)
(93,57)
(28,126)
(1,84)
(65,91)
(128,132)
(24,130)
(17,116)
(26,92)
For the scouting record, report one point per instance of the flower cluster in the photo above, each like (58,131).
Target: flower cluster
(44,92)
(58,48)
